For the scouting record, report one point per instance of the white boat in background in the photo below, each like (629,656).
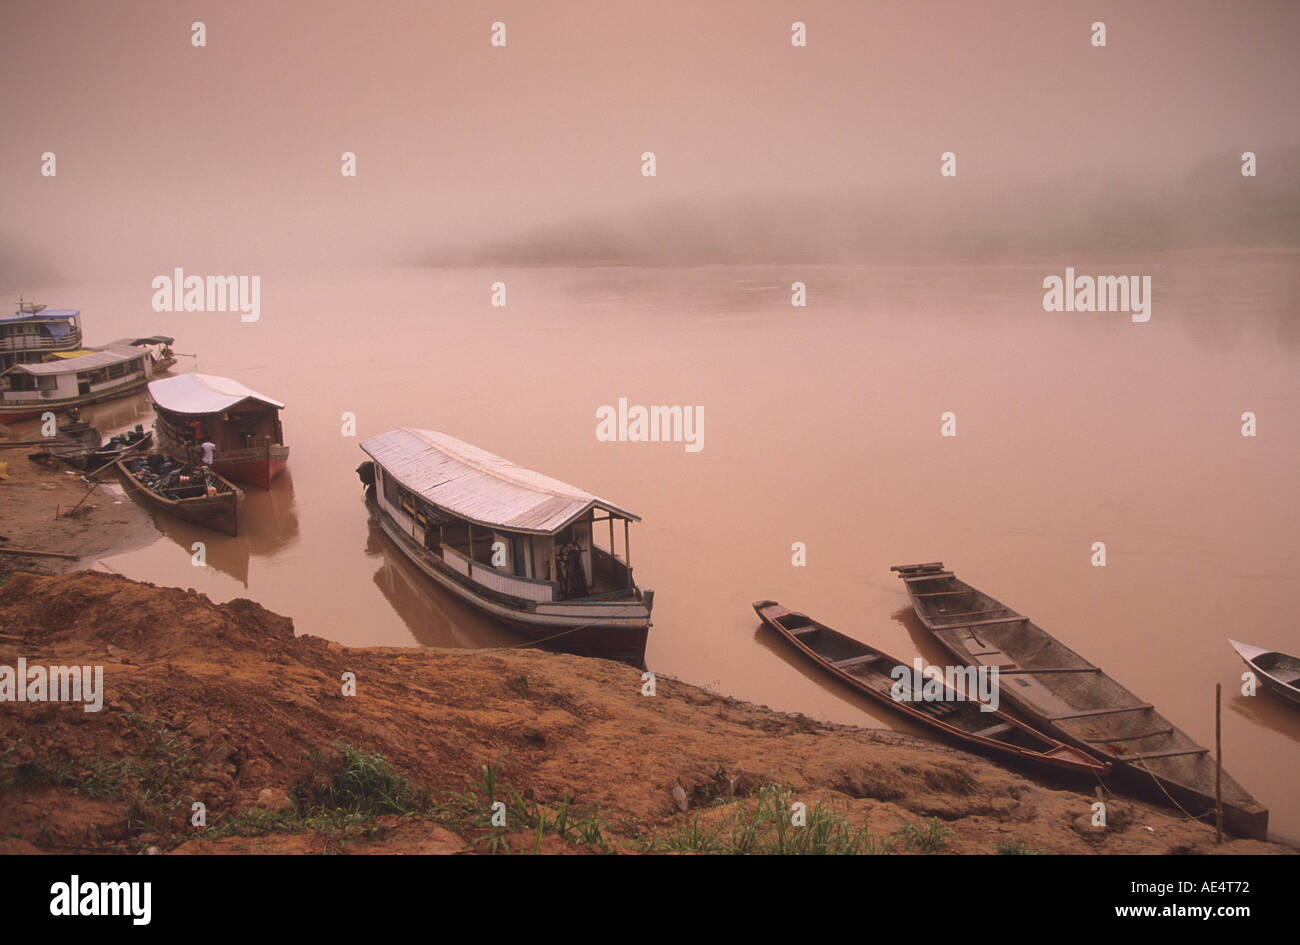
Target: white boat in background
(516,544)
(33,331)
(67,379)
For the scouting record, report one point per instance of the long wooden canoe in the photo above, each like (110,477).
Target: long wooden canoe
(1280,673)
(972,723)
(191,503)
(1063,694)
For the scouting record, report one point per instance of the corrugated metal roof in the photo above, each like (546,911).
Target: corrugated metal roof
(47,314)
(87,362)
(203,394)
(473,484)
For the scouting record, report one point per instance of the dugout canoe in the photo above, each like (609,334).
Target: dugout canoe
(1064,695)
(873,673)
(1279,672)
(191,503)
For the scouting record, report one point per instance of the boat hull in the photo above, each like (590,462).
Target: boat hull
(257,466)
(14,413)
(607,629)
(1269,667)
(1037,748)
(256,470)
(1063,694)
(220,513)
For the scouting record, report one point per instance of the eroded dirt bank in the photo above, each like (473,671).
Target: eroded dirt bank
(225,706)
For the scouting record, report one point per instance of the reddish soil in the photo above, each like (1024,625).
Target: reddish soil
(246,698)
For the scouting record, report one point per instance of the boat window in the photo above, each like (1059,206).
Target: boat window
(390,488)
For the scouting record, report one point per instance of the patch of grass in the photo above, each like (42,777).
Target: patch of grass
(347,780)
(149,782)
(493,805)
(768,827)
(928,838)
(338,792)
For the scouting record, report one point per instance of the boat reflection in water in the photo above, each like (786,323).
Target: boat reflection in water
(268,523)
(434,617)
(110,416)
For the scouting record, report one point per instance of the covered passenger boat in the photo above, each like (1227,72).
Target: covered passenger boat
(243,425)
(69,379)
(33,331)
(518,545)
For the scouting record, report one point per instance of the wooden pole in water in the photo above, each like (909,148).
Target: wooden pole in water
(1218,760)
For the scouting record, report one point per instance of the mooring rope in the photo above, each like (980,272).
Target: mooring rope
(1168,795)
(556,636)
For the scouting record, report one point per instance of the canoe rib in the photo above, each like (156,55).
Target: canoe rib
(1084,707)
(867,670)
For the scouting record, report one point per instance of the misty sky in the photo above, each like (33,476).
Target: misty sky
(227,157)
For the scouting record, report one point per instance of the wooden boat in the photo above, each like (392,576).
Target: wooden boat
(1279,672)
(69,379)
(73,442)
(118,447)
(1064,695)
(519,546)
(971,723)
(216,508)
(243,426)
(86,449)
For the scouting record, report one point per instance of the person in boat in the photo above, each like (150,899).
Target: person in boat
(568,560)
(209,450)
(74,415)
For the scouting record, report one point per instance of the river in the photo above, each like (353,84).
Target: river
(822,427)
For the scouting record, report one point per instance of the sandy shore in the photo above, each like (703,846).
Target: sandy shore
(36,500)
(223,705)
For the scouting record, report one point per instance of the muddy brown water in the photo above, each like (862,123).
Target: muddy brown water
(822,426)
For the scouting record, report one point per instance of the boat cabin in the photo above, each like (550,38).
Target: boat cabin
(507,529)
(198,407)
(34,331)
(71,374)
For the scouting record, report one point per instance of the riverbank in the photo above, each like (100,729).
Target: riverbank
(224,706)
(49,507)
